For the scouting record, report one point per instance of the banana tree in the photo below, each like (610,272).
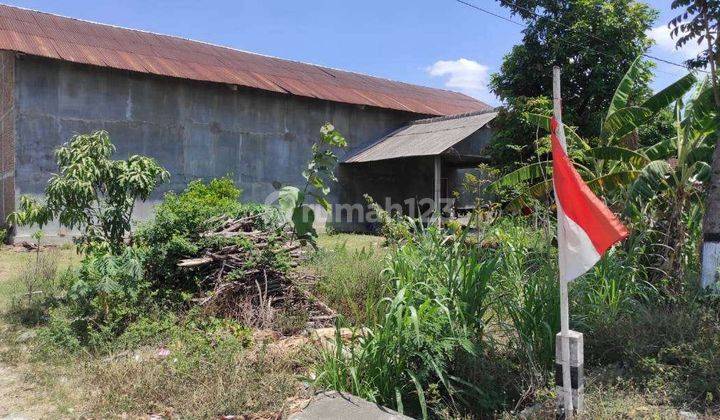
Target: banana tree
(610,165)
(674,178)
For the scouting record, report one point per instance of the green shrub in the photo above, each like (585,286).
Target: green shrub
(192,211)
(108,293)
(93,193)
(393,227)
(175,232)
(193,335)
(59,336)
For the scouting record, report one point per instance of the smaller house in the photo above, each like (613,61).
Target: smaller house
(415,169)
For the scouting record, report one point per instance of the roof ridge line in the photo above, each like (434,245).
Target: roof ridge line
(236,49)
(454,116)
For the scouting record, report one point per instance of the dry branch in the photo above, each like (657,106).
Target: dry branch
(235,273)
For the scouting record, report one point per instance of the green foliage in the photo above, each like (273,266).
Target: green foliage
(616,286)
(623,116)
(109,293)
(351,281)
(59,335)
(611,166)
(175,231)
(193,334)
(438,306)
(698,22)
(669,350)
(318,173)
(395,228)
(514,136)
(558,34)
(527,292)
(93,193)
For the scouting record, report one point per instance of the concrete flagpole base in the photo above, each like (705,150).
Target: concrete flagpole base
(576,373)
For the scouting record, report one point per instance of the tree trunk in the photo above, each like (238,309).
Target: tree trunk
(711,221)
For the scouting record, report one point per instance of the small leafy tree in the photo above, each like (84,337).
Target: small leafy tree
(92,192)
(318,173)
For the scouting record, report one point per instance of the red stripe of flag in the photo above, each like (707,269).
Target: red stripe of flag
(580,204)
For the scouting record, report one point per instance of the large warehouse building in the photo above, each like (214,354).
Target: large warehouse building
(205,111)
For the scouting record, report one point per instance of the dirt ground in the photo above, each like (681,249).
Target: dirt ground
(19,397)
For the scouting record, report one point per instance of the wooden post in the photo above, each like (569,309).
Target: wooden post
(564,305)
(437,191)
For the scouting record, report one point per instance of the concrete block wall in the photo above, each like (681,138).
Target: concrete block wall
(194,129)
(7,135)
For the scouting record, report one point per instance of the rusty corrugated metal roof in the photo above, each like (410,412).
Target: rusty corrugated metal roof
(428,137)
(47,35)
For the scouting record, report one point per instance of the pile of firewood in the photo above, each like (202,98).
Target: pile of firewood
(233,273)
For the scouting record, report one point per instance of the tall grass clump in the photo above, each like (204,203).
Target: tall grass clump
(438,304)
(351,281)
(527,299)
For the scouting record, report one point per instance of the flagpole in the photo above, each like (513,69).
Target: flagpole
(564,305)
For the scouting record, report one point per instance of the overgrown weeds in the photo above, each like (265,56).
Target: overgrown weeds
(223,382)
(439,299)
(39,284)
(351,281)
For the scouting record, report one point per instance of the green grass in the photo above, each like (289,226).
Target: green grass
(638,366)
(353,242)
(204,376)
(12,263)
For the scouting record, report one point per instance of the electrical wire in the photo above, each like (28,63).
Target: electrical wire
(560,24)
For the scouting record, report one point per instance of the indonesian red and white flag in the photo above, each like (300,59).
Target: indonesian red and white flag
(586,227)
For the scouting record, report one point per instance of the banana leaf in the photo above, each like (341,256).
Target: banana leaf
(620,154)
(671,93)
(613,180)
(624,89)
(623,121)
(526,173)
(544,121)
(652,179)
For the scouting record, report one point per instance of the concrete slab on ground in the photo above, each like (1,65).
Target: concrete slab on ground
(339,406)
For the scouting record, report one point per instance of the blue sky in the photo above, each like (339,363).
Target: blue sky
(438,43)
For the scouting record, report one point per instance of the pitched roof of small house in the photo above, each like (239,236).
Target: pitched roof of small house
(52,36)
(427,137)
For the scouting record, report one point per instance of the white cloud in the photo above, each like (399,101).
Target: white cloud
(661,36)
(466,76)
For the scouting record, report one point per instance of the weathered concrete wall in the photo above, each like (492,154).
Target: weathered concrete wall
(7,135)
(404,183)
(194,129)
